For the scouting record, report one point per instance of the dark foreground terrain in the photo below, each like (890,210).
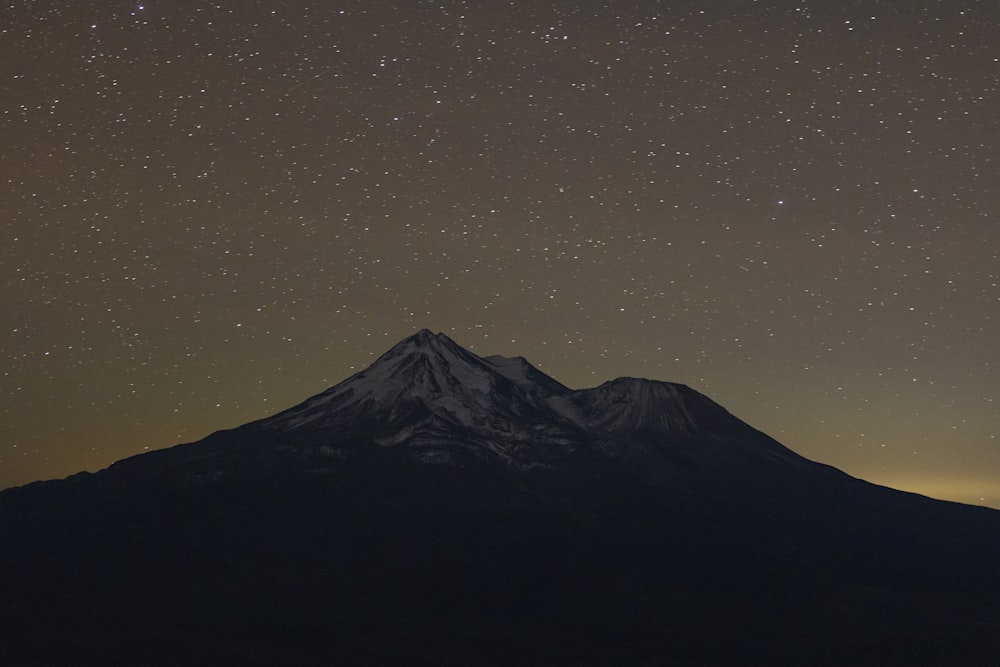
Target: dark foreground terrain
(446,509)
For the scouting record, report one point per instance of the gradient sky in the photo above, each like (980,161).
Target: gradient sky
(213,210)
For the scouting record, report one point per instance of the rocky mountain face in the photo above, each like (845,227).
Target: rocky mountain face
(444,508)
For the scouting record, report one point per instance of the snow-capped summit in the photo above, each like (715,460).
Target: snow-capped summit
(426,377)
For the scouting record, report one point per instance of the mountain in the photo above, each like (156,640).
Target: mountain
(428,400)
(444,508)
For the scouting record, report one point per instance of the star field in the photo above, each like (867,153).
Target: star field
(211,211)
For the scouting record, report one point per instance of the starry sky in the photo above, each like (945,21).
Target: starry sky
(210,211)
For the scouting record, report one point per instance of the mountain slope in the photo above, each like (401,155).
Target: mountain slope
(443,508)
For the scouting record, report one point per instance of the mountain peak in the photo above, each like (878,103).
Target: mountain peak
(423,341)
(426,337)
(423,356)
(422,382)
(638,404)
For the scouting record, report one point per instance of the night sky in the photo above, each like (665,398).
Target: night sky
(212,210)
